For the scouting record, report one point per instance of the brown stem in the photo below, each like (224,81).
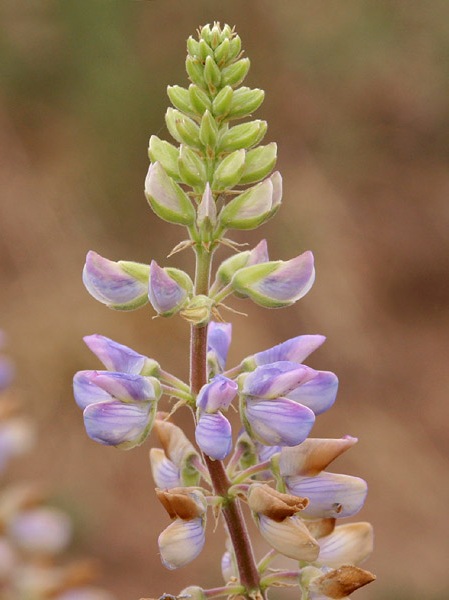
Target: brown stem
(232,513)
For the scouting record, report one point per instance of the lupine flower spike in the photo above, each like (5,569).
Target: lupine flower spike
(212,178)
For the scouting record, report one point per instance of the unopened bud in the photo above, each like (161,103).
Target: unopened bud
(208,130)
(245,135)
(207,211)
(276,284)
(167,199)
(212,74)
(235,73)
(180,99)
(166,154)
(245,101)
(168,289)
(194,69)
(198,310)
(229,170)
(259,163)
(183,129)
(221,52)
(191,167)
(199,99)
(222,101)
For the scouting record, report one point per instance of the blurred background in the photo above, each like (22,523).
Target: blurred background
(357,99)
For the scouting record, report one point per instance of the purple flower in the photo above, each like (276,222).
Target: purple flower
(218,342)
(274,380)
(181,542)
(213,435)
(168,289)
(119,408)
(120,285)
(318,393)
(217,394)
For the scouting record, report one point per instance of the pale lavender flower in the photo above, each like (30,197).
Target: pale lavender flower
(274,379)
(318,393)
(217,394)
(165,473)
(330,494)
(181,542)
(296,349)
(41,530)
(120,285)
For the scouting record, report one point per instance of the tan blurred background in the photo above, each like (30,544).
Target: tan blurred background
(357,99)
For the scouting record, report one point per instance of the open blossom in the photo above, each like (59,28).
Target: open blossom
(118,408)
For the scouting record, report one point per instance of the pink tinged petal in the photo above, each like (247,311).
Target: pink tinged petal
(115,356)
(213,435)
(219,340)
(86,391)
(165,473)
(347,544)
(279,422)
(41,530)
(329,494)
(318,394)
(290,537)
(167,199)
(296,349)
(118,424)
(313,455)
(218,394)
(259,254)
(166,295)
(181,542)
(110,284)
(126,387)
(266,452)
(274,380)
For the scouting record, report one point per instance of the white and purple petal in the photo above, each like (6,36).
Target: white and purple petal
(347,544)
(41,530)
(280,422)
(318,393)
(290,537)
(127,387)
(218,393)
(165,473)
(181,542)
(274,379)
(330,494)
(86,391)
(213,435)
(115,356)
(118,424)
(165,293)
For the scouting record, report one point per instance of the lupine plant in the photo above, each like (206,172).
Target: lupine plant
(33,534)
(216,178)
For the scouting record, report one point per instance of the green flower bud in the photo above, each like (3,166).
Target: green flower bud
(245,101)
(194,70)
(167,199)
(259,163)
(207,211)
(242,136)
(208,130)
(193,47)
(254,206)
(228,172)
(180,98)
(191,167)
(205,50)
(212,74)
(222,52)
(193,592)
(230,266)
(235,46)
(222,101)
(205,33)
(235,73)
(182,128)
(198,310)
(165,153)
(199,99)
